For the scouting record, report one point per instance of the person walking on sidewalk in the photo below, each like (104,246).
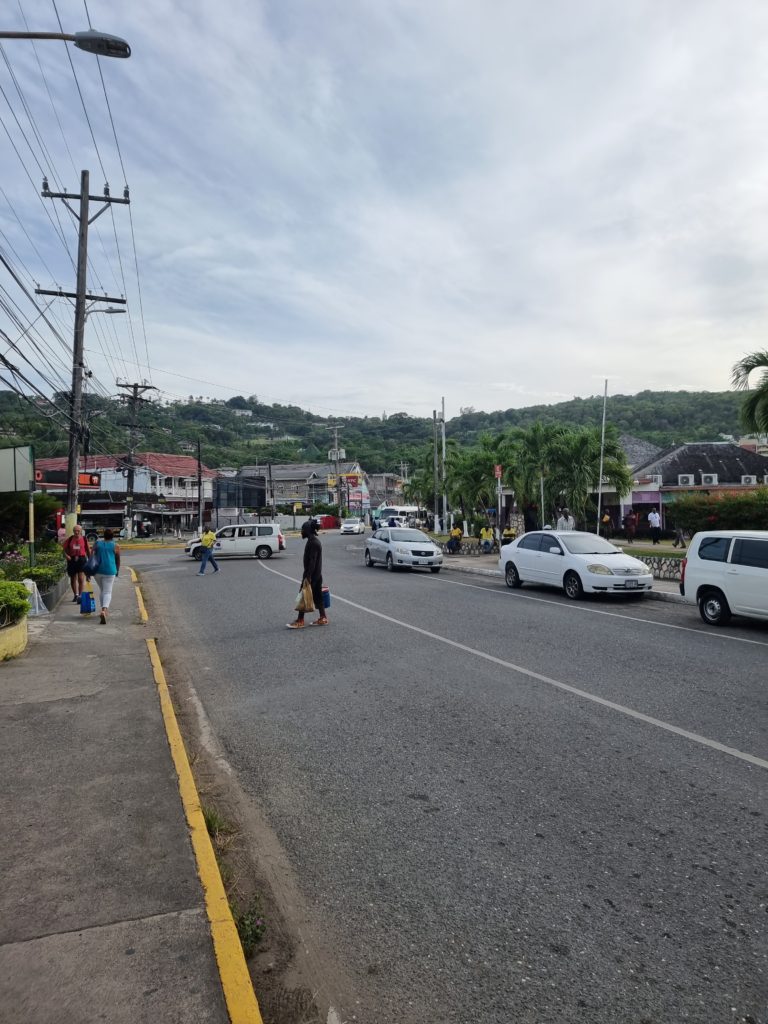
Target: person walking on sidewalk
(207,541)
(654,521)
(107,554)
(76,551)
(313,571)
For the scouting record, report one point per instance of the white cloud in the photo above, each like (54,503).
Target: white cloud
(364,207)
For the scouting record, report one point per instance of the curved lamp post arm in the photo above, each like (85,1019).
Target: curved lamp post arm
(100,43)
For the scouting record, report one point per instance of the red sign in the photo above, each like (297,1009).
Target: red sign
(497,472)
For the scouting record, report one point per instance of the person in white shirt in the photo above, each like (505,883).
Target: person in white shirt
(654,521)
(566,520)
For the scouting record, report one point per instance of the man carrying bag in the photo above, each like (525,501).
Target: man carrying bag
(311,595)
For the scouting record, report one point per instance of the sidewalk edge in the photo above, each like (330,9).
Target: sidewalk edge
(239,995)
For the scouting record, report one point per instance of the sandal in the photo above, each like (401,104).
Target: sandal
(294,625)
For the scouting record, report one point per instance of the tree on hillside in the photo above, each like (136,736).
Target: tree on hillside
(754,411)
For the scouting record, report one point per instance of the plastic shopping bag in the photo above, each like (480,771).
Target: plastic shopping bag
(87,601)
(305,602)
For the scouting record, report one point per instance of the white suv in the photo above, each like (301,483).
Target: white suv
(259,539)
(726,572)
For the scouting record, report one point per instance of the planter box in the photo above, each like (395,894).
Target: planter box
(13,639)
(52,597)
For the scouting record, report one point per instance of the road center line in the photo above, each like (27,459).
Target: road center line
(565,687)
(572,607)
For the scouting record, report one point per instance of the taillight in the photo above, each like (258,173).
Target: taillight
(682,569)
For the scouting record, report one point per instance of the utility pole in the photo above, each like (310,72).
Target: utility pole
(445,496)
(434,439)
(271,491)
(334,455)
(133,400)
(199,491)
(81,299)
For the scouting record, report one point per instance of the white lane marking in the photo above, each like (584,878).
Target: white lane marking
(597,611)
(565,687)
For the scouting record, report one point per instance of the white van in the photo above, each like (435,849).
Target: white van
(726,572)
(408,515)
(261,540)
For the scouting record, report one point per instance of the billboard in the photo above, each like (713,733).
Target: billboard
(17,469)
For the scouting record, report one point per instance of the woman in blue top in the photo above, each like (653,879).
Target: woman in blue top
(108,555)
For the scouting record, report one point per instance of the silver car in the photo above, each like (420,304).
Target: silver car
(402,548)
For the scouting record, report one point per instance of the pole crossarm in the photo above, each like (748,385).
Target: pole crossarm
(73,295)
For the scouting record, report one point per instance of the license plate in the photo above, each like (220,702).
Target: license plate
(631,584)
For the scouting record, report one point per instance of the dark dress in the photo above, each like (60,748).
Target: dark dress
(313,570)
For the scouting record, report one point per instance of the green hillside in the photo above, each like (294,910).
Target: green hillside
(244,431)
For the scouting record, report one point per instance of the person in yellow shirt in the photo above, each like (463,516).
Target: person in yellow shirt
(454,543)
(208,540)
(486,540)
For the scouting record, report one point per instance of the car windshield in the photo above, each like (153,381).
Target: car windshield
(587,544)
(410,536)
(351,522)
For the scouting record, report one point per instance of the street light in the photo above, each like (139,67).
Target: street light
(100,43)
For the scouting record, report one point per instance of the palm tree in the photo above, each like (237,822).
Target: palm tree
(534,462)
(754,411)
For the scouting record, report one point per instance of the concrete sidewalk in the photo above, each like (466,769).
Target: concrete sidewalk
(102,913)
(488,565)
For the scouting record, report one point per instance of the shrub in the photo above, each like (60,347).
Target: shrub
(14,602)
(14,565)
(734,511)
(46,577)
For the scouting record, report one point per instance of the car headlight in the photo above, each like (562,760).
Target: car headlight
(402,551)
(599,570)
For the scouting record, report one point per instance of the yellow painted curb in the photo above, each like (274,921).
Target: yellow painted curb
(235,980)
(13,639)
(139,596)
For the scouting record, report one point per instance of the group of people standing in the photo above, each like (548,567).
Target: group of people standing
(102,562)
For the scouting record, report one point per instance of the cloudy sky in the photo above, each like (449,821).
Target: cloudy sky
(363,206)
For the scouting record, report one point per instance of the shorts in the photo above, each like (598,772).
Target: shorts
(75,566)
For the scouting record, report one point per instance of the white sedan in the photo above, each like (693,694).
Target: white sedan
(401,548)
(353,525)
(577,562)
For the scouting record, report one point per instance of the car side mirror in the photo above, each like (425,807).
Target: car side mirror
(555,551)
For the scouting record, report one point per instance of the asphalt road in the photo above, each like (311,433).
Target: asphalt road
(504,806)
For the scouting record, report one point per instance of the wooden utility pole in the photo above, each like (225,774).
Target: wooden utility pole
(133,400)
(81,299)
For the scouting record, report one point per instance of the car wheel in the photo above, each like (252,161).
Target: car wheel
(713,608)
(368,559)
(390,564)
(511,576)
(572,586)
(263,551)
(197,554)
(434,568)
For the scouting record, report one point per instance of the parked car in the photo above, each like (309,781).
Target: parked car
(261,540)
(400,547)
(353,525)
(725,572)
(577,562)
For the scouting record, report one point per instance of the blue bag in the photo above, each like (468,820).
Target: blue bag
(326,597)
(87,603)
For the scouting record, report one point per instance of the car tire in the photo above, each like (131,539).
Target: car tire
(390,564)
(713,608)
(368,559)
(263,551)
(197,554)
(511,576)
(572,586)
(434,568)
